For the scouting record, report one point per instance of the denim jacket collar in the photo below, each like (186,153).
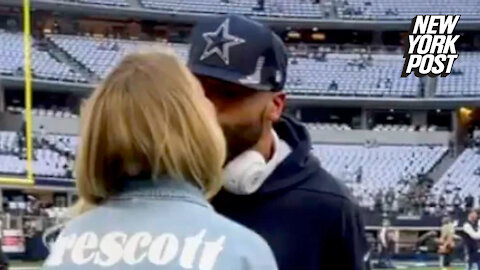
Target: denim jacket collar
(163,189)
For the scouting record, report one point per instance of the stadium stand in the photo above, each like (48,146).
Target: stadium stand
(404,128)
(463,176)
(10,163)
(328,126)
(118,3)
(341,74)
(271,8)
(53,155)
(351,74)
(113,3)
(101,55)
(50,112)
(383,10)
(394,128)
(368,170)
(405,9)
(464,79)
(44,66)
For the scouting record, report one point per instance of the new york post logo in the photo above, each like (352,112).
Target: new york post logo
(430,46)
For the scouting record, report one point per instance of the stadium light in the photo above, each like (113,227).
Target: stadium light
(319,36)
(466,111)
(465,114)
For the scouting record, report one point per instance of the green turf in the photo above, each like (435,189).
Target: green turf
(461,268)
(25,264)
(17,264)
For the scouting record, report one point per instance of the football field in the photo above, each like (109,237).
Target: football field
(36,266)
(425,268)
(460,268)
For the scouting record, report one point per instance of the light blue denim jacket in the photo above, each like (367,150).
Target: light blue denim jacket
(164,225)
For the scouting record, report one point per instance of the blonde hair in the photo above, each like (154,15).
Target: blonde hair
(447,230)
(150,118)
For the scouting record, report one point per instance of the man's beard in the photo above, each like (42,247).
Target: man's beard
(241,138)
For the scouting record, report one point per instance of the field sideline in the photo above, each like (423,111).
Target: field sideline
(18,267)
(38,267)
(15,265)
(422,268)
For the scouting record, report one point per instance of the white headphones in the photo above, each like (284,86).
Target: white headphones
(244,174)
(247,172)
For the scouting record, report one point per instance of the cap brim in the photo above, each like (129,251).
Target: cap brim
(228,76)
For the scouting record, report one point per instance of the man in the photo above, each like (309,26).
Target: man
(378,203)
(442,204)
(2,98)
(390,199)
(471,237)
(457,200)
(457,204)
(273,184)
(359,175)
(469,201)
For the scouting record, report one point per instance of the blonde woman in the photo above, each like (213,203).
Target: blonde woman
(446,243)
(151,155)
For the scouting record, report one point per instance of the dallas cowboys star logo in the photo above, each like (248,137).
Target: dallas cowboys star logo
(220,42)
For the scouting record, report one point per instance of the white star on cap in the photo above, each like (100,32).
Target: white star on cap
(220,42)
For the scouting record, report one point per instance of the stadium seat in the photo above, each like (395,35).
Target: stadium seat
(405,9)
(464,79)
(44,66)
(382,167)
(463,176)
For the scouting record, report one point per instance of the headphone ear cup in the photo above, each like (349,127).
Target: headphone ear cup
(243,174)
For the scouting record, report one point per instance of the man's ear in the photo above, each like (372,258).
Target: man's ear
(277,106)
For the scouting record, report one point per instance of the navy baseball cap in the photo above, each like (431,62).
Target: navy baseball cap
(239,50)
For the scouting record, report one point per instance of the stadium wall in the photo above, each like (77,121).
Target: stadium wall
(381,137)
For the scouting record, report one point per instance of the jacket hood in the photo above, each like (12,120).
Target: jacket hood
(299,165)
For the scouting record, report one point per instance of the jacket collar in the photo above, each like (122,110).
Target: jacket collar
(162,189)
(298,165)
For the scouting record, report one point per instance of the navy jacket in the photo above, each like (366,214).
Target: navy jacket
(308,218)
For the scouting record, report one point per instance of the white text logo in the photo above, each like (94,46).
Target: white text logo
(141,247)
(430,46)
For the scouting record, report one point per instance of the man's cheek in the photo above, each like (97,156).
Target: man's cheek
(231,118)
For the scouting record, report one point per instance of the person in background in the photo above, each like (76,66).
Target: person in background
(4,262)
(378,202)
(446,243)
(457,201)
(442,204)
(273,183)
(151,155)
(471,238)
(359,175)
(387,245)
(469,202)
(390,199)
(333,85)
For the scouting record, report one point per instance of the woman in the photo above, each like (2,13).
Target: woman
(387,245)
(151,153)
(446,243)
